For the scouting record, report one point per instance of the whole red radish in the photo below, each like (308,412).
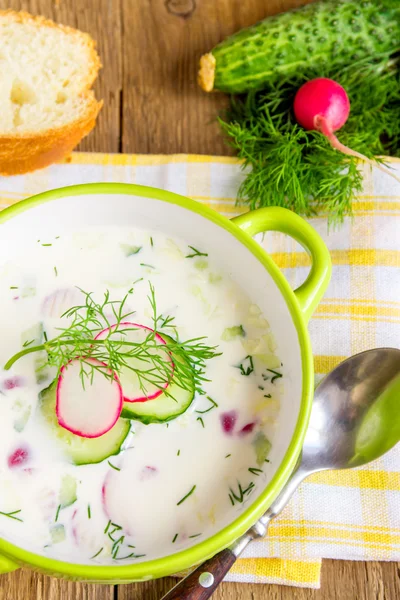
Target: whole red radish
(323,105)
(321,99)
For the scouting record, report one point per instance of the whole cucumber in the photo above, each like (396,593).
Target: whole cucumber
(329,33)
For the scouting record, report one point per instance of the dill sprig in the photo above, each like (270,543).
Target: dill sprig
(147,358)
(11,515)
(57,513)
(195,253)
(255,471)
(187,496)
(246,367)
(239,495)
(288,166)
(276,375)
(201,421)
(213,405)
(113,466)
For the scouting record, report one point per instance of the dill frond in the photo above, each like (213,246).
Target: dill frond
(288,166)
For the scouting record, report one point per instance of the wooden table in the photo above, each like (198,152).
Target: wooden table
(152,104)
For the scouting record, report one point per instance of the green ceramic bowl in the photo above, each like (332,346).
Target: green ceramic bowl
(238,254)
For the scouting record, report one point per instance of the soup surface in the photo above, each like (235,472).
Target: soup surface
(119,444)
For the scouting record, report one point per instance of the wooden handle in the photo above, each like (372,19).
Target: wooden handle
(201,583)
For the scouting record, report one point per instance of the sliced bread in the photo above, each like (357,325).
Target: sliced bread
(46,104)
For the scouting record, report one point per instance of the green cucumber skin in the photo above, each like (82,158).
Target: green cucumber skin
(323,35)
(128,413)
(67,495)
(145,419)
(152,412)
(151,416)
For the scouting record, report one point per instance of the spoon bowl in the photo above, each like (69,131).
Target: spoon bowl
(355,414)
(355,418)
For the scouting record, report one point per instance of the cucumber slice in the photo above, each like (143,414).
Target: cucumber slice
(232,333)
(162,409)
(131,384)
(35,336)
(23,412)
(165,407)
(57,534)
(67,494)
(82,451)
(262,446)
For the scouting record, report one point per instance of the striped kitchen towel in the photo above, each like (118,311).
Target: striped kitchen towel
(348,515)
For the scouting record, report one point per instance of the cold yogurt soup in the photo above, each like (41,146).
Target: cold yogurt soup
(138,400)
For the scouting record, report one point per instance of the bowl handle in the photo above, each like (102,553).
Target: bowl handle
(7,565)
(280,219)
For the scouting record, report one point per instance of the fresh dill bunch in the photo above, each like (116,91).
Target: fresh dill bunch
(285,165)
(149,360)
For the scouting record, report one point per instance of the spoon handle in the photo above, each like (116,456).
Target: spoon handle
(203,581)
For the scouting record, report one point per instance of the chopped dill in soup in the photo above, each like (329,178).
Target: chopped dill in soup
(139,396)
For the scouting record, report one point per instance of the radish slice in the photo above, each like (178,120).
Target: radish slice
(115,506)
(228,421)
(57,303)
(85,535)
(136,333)
(88,411)
(13,382)
(18,458)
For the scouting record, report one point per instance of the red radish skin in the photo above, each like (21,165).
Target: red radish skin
(75,527)
(249,428)
(47,501)
(18,458)
(148,473)
(108,482)
(29,471)
(228,421)
(323,105)
(104,493)
(159,338)
(321,97)
(86,428)
(83,533)
(61,300)
(13,382)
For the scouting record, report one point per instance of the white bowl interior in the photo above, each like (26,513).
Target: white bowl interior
(233,257)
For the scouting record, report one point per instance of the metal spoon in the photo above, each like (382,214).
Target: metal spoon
(355,418)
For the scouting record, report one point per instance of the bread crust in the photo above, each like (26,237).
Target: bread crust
(30,150)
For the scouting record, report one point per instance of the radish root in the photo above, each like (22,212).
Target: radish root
(322,125)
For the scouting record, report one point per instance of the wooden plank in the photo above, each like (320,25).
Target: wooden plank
(102,19)
(341,580)
(164,109)
(27,585)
